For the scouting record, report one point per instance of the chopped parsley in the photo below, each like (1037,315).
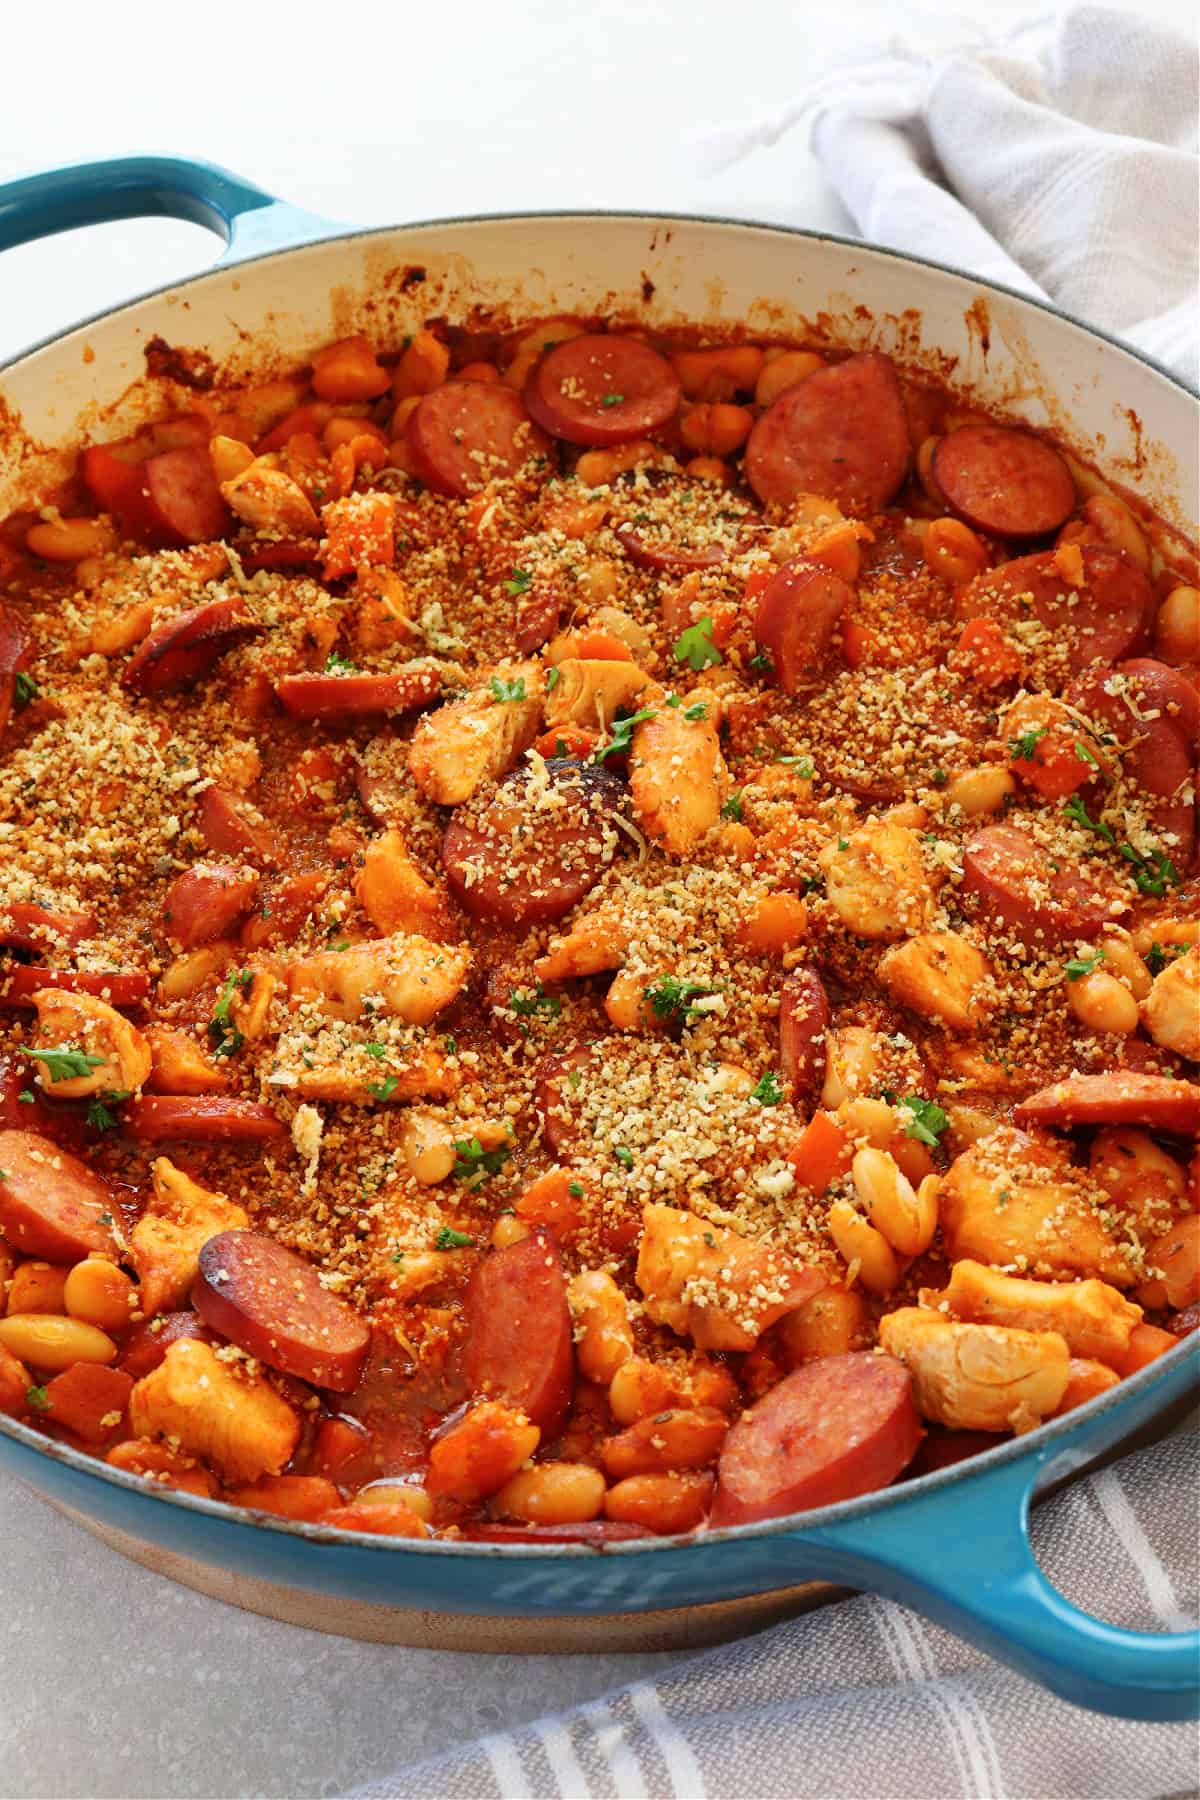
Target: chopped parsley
(698,711)
(1022,748)
(761,663)
(98,1115)
(803,765)
(519,582)
(507,690)
(939,778)
(450,1046)
(732,808)
(622,734)
(224,1036)
(37,1399)
(1085,755)
(475,1165)
(27,1097)
(339,665)
(449,1239)
(376,1050)
(928,1120)
(553,677)
(710,1240)
(1152,871)
(383,1090)
(673,999)
(66,1065)
(1078,814)
(537,1004)
(575,1189)
(1156,959)
(25,691)
(623,1156)
(695,646)
(1079,966)
(612,399)
(768,1092)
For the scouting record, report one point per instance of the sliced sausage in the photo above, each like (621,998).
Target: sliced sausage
(1016,883)
(1121,1097)
(358,696)
(1160,756)
(803,1022)
(14,655)
(26,926)
(1159,687)
(654,553)
(181,651)
(231,827)
(285,907)
(557,1077)
(1102,621)
(526,854)
(271,1304)
(1003,481)
(51,1204)
(798,613)
(183,490)
(841,433)
(118,485)
(201,1118)
(598,389)
(467,433)
(146,1346)
(19,982)
(288,553)
(208,901)
(834,1428)
(519,1336)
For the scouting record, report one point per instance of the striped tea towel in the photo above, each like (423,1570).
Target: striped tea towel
(1061,161)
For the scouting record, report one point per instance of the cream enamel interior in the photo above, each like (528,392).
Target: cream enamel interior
(1132,422)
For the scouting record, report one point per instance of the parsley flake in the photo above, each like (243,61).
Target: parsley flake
(539,1003)
(1085,755)
(622,734)
(507,690)
(623,1156)
(1079,966)
(928,1120)
(612,399)
(575,1189)
(695,646)
(803,766)
(449,1239)
(65,1065)
(553,677)
(698,711)
(732,808)
(98,1115)
(768,1092)
(226,1039)
(519,582)
(25,690)
(475,1165)
(1159,955)
(672,999)
(27,1097)
(383,1090)
(37,1399)
(761,663)
(1021,748)
(339,665)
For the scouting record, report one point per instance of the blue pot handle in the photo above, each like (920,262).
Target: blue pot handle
(962,1557)
(251,221)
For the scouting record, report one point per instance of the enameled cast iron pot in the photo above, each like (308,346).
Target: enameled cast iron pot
(953,1544)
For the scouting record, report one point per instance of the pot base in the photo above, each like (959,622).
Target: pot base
(675,1628)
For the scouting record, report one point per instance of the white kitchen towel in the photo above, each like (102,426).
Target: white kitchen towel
(865,1701)
(1061,161)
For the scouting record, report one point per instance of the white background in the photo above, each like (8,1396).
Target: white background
(112,1682)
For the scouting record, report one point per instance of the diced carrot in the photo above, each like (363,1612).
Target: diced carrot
(344,1451)
(1145,1343)
(312,418)
(89,1400)
(990,658)
(142,1456)
(477,1455)
(344,431)
(601,646)
(549,1201)
(822,1153)
(291,1496)
(1085,1379)
(359,533)
(567,740)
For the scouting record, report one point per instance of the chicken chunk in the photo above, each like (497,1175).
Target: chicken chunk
(266,499)
(167,1240)
(594,943)
(978,1377)
(116,1055)
(1094,1318)
(395,895)
(405,975)
(589,691)
(230,1418)
(1008,1202)
(942,976)
(876,881)
(711,1284)
(1171,1011)
(677,775)
(1147,1184)
(421,1072)
(477,739)
(179,1066)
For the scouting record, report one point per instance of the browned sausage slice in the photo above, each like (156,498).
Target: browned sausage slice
(598,389)
(1004,482)
(652,553)
(841,433)
(24,925)
(1102,621)
(14,655)
(596,1532)
(467,433)
(358,696)
(1118,1098)
(208,901)
(21,981)
(1159,723)
(803,1022)
(838,1427)
(519,1340)
(145,1348)
(181,651)
(798,613)
(182,486)
(516,860)
(198,1118)
(1017,884)
(271,1304)
(51,1204)
(232,827)
(558,1084)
